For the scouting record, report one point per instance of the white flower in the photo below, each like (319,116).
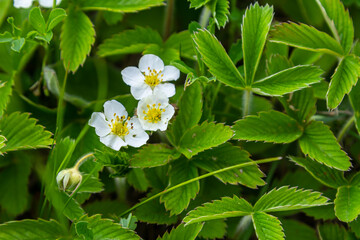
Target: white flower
(151,75)
(116,129)
(154,111)
(28,3)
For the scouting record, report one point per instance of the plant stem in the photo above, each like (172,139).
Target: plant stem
(247,99)
(345,128)
(266,160)
(81,160)
(60,111)
(168,18)
(204,17)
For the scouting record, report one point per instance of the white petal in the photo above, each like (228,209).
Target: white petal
(162,126)
(150,61)
(167,88)
(141,91)
(132,76)
(101,126)
(48,3)
(149,125)
(113,141)
(113,108)
(23,3)
(171,73)
(169,113)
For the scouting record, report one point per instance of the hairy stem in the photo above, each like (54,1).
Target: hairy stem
(204,17)
(246,104)
(169,13)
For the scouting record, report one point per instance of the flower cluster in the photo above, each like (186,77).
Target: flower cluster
(149,84)
(28,3)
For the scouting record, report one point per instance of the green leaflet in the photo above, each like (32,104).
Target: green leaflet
(339,21)
(255,28)
(153,155)
(217,60)
(344,78)
(182,42)
(354,97)
(202,137)
(347,206)
(22,133)
(220,12)
(288,80)
(37,20)
(333,231)
(213,229)
(32,229)
(2,141)
(295,230)
(305,37)
(276,62)
(269,126)
(55,17)
(136,178)
(182,232)
(5,91)
(119,5)
(129,41)
(197,3)
(285,199)
(77,37)
(267,227)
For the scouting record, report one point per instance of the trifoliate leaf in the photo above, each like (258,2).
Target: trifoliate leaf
(77,37)
(182,232)
(344,78)
(269,126)
(347,205)
(288,80)
(320,144)
(120,5)
(255,28)
(305,37)
(55,17)
(267,227)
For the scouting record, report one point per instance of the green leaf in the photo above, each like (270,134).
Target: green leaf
(255,28)
(182,67)
(22,132)
(5,37)
(347,205)
(182,42)
(354,97)
(295,230)
(216,59)
(182,232)
(56,16)
(288,80)
(136,178)
(153,155)
(344,78)
(332,231)
(119,5)
(83,231)
(91,185)
(178,200)
(197,3)
(220,12)
(5,91)
(355,227)
(130,222)
(213,229)
(32,229)
(267,227)
(305,37)
(190,110)
(215,159)
(2,141)
(37,20)
(339,21)
(277,63)
(219,209)
(272,126)
(77,37)
(285,199)
(205,136)
(17,44)
(129,41)
(320,144)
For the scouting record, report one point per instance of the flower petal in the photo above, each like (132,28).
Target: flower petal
(113,108)
(169,113)
(113,141)
(132,76)
(171,73)
(23,3)
(167,88)
(48,3)
(101,126)
(141,91)
(150,61)
(137,136)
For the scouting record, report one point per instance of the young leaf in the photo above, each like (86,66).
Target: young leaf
(129,41)
(267,227)
(153,155)
(255,28)
(5,37)
(215,159)
(269,126)
(56,16)
(288,80)
(178,200)
(347,206)
(182,232)
(5,91)
(202,137)
(339,21)
(37,20)
(17,44)
(285,199)
(220,12)
(77,37)
(23,133)
(33,229)
(320,144)
(120,5)
(328,176)
(344,78)
(219,209)
(305,37)
(216,59)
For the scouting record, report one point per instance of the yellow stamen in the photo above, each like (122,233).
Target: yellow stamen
(153,114)
(119,126)
(153,78)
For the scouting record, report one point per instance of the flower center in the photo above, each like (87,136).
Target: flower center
(119,125)
(153,114)
(153,78)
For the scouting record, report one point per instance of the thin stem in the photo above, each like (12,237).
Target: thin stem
(83,159)
(60,112)
(204,17)
(247,99)
(345,128)
(266,160)
(168,18)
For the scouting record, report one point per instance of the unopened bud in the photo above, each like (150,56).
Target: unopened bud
(68,178)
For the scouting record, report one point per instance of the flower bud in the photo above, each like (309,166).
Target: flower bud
(68,178)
